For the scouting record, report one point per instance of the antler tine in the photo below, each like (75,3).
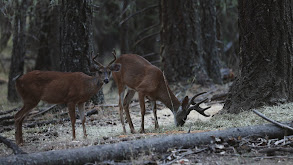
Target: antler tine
(94,59)
(192,99)
(114,54)
(198,108)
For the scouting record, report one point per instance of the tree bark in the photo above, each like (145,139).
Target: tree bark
(127,150)
(266,49)
(76,21)
(75,48)
(124,46)
(209,37)
(19,48)
(6,26)
(181,44)
(43,61)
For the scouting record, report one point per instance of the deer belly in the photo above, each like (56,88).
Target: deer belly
(54,97)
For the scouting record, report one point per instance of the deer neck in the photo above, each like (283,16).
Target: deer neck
(170,100)
(95,84)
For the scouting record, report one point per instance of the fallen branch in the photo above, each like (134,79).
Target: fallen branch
(54,121)
(129,149)
(91,112)
(116,105)
(7,122)
(9,111)
(5,129)
(272,150)
(108,105)
(53,107)
(272,121)
(6,117)
(16,150)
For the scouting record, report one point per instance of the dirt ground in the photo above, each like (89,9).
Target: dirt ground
(105,128)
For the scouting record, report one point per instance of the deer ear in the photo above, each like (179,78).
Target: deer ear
(184,103)
(115,67)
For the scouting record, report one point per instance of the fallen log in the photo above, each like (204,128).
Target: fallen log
(16,150)
(129,149)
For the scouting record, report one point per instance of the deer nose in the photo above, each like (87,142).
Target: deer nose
(106,81)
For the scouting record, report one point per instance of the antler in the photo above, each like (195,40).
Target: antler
(94,59)
(196,105)
(114,54)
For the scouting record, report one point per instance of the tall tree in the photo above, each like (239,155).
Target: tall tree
(43,61)
(181,41)
(19,47)
(5,26)
(209,38)
(266,49)
(76,21)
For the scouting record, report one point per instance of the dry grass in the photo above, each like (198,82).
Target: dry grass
(107,124)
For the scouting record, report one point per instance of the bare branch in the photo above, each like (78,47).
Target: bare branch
(147,29)
(138,12)
(149,54)
(148,36)
(272,121)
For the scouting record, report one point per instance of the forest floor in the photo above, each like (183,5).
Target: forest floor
(105,128)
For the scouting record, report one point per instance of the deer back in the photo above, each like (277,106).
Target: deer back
(55,87)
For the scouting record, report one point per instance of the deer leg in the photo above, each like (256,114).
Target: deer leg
(121,97)
(71,109)
(82,117)
(126,103)
(19,117)
(142,110)
(154,107)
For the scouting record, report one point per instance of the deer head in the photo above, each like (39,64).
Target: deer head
(187,105)
(104,72)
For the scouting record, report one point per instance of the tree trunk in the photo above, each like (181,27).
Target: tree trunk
(5,26)
(181,45)
(209,37)
(124,47)
(266,55)
(76,20)
(54,37)
(128,150)
(75,49)
(43,61)
(19,48)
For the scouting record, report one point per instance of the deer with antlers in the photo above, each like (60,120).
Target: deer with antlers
(71,88)
(139,75)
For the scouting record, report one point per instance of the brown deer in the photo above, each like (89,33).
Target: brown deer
(139,75)
(71,88)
